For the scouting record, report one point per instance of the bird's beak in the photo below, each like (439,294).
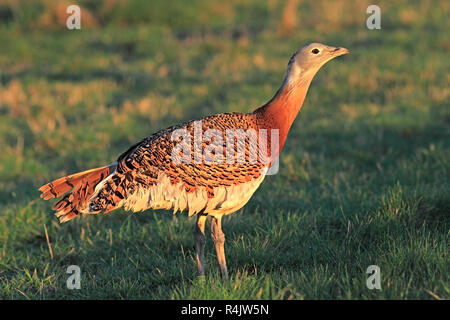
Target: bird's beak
(339,52)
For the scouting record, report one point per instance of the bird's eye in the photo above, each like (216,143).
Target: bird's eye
(315,51)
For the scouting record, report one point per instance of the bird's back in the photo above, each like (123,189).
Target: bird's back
(157,173)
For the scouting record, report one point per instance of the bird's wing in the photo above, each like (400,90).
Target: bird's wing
(148,176)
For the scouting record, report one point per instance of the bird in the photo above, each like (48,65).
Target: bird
(187,167)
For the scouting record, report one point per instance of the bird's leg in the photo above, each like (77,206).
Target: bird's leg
(219,240)
(200,240)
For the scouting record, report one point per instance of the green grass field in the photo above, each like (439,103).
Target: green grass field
(364,177)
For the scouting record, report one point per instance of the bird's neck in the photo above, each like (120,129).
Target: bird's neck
(281,111)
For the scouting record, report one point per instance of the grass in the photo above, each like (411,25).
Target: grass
(364,177)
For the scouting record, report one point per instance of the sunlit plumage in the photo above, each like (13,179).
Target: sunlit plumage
(147,177)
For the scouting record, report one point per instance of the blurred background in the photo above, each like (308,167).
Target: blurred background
(138,66)
(372,138)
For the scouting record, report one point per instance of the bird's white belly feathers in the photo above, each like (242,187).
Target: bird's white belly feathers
(164,195)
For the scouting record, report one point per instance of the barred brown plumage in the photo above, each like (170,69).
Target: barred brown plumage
(157,173)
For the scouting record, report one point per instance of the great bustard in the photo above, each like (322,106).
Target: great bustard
(195,166)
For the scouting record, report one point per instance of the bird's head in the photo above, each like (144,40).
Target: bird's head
(309,59)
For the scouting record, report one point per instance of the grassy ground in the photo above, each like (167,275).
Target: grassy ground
(364,177)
